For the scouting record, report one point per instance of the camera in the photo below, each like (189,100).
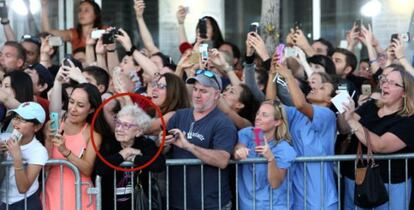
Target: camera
(96,34)
(202,28)
(55,41)
(109,37)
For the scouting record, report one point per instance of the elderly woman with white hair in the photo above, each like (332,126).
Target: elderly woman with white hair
(131,145)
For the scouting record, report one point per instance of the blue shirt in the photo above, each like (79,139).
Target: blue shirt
(214,131)
(284,154)
(314,137)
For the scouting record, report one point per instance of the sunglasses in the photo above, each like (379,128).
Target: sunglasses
(208,74)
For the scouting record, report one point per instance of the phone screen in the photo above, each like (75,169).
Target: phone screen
(358,24)
(54,121)
(202,27)
(394,36)
(254,27)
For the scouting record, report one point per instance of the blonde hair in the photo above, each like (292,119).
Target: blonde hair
(407,108)
(282,130)
(140,117)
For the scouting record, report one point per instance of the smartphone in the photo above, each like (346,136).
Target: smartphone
(174,134)
(343,88)
(202,28)
(358,24)
(204,52)
(54,122)
(195,57)
(16,135)
(66,62)
(55,41)
(366,89)
(254,27)
(394,36)
(3,9)
(290,52)
(187,10)
(258,136)
(297,26)
(279,50)
(96,34)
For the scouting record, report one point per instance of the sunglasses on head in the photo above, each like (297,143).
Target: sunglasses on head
(208,74)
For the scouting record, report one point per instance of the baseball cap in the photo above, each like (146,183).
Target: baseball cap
(30,111)
(43,73)
(33,39)
(207,78)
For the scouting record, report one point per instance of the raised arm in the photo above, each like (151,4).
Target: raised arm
(146,37)
(301,41)
(8,30)
(367,40)
(181,14)
(398,47)
(64,34)
(298,98)
(219,61)
(146,64)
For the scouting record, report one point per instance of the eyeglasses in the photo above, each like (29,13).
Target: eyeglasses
(159,85)
(124,125)
(208,74)
(383,79)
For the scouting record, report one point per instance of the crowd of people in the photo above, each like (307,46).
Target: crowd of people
(218,103)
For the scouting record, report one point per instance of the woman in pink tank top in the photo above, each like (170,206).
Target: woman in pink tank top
(73,143)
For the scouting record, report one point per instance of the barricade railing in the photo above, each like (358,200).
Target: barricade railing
(336,160)
(92,191)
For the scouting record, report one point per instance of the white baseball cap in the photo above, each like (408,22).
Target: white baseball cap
(30,111)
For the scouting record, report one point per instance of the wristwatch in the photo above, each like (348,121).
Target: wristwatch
(5,21)
(131,51)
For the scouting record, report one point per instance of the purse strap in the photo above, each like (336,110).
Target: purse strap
(370,158)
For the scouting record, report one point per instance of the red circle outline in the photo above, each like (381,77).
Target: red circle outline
(160,149)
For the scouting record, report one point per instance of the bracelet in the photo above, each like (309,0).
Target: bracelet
(111,51)
(401,57)
(66,156)
(271,159)
(131,51)
(18,168)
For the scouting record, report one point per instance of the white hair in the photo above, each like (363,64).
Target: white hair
(140,117)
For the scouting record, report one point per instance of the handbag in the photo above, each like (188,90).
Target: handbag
(370,190)
(142,200)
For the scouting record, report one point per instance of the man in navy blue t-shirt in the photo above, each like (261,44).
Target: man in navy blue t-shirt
(202,132)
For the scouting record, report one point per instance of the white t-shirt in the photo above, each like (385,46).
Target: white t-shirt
(32,153)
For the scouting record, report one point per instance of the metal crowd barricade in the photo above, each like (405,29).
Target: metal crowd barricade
(92,191)
(337,159)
